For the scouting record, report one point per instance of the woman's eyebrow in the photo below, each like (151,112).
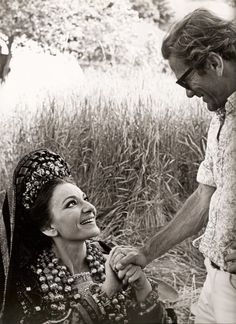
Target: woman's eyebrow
(74,197)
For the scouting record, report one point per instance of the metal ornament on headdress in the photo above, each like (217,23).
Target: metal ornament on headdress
(35,170)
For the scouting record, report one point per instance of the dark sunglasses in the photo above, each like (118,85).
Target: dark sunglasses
(182,80)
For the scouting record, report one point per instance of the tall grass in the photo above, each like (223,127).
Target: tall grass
(134,145)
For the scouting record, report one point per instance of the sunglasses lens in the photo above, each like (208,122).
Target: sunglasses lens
(186,86)
(182,80)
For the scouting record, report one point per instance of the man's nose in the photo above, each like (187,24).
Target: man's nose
(190,93)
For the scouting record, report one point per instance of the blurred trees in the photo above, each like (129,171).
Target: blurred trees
(232,3)
(157,10)
(98,32)
(5,57)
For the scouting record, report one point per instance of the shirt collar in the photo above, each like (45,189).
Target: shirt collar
(229,106)
(231,103)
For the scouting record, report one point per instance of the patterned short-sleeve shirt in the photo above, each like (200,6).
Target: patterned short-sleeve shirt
(219,170)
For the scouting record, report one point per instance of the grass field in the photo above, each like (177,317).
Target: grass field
(134,143)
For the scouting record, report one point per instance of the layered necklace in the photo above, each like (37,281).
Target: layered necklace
(58,286)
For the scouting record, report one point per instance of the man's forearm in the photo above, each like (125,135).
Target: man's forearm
(188,221)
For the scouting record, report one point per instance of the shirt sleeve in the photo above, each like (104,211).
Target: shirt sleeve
(205,172)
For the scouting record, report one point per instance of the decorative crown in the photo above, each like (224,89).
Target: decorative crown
(34,171)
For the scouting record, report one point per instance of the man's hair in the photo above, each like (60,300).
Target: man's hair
(198,34)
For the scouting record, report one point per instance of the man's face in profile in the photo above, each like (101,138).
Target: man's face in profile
(208,85)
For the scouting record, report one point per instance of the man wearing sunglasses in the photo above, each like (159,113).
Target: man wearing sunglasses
(201,50)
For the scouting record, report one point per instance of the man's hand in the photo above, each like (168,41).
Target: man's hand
(231,259)
(121,256)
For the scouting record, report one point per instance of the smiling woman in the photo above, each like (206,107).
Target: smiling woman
(57,274)
(72,216)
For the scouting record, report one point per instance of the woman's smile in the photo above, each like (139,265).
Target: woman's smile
(73,216)
(90,220)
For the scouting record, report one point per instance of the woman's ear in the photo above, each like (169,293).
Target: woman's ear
(50,231)
(215,63)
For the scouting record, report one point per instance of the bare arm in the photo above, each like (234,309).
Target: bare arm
(188,221)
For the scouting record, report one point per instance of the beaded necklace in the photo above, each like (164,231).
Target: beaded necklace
(58,289)
(58,294)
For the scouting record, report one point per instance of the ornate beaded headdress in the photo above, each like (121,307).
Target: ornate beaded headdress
(34,171)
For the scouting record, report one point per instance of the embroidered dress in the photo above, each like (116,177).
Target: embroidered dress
(219,170)
(48,293)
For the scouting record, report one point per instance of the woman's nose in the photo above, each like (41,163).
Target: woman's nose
(190,93)
(88,208)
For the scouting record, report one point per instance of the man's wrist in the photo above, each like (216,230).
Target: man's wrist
(144,251)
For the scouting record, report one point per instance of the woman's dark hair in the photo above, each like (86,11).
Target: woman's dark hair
(33,220)
(40,212)
(198,34)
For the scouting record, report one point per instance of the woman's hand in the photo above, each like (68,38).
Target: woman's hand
(134,276)
(112,283)
(130,275)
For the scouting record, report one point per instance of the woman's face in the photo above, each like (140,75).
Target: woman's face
(73,217)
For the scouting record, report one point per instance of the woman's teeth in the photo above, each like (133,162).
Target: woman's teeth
(90,220)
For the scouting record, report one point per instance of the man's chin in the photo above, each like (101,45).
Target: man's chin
(214,105)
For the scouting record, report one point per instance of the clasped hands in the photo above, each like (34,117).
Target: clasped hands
(118,276)
(121,256)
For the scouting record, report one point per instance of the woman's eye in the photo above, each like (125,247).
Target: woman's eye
(71,203)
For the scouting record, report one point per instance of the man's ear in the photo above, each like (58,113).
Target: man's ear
(215,63)
(50,231)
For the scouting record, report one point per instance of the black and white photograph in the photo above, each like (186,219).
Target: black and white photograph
(117,161)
